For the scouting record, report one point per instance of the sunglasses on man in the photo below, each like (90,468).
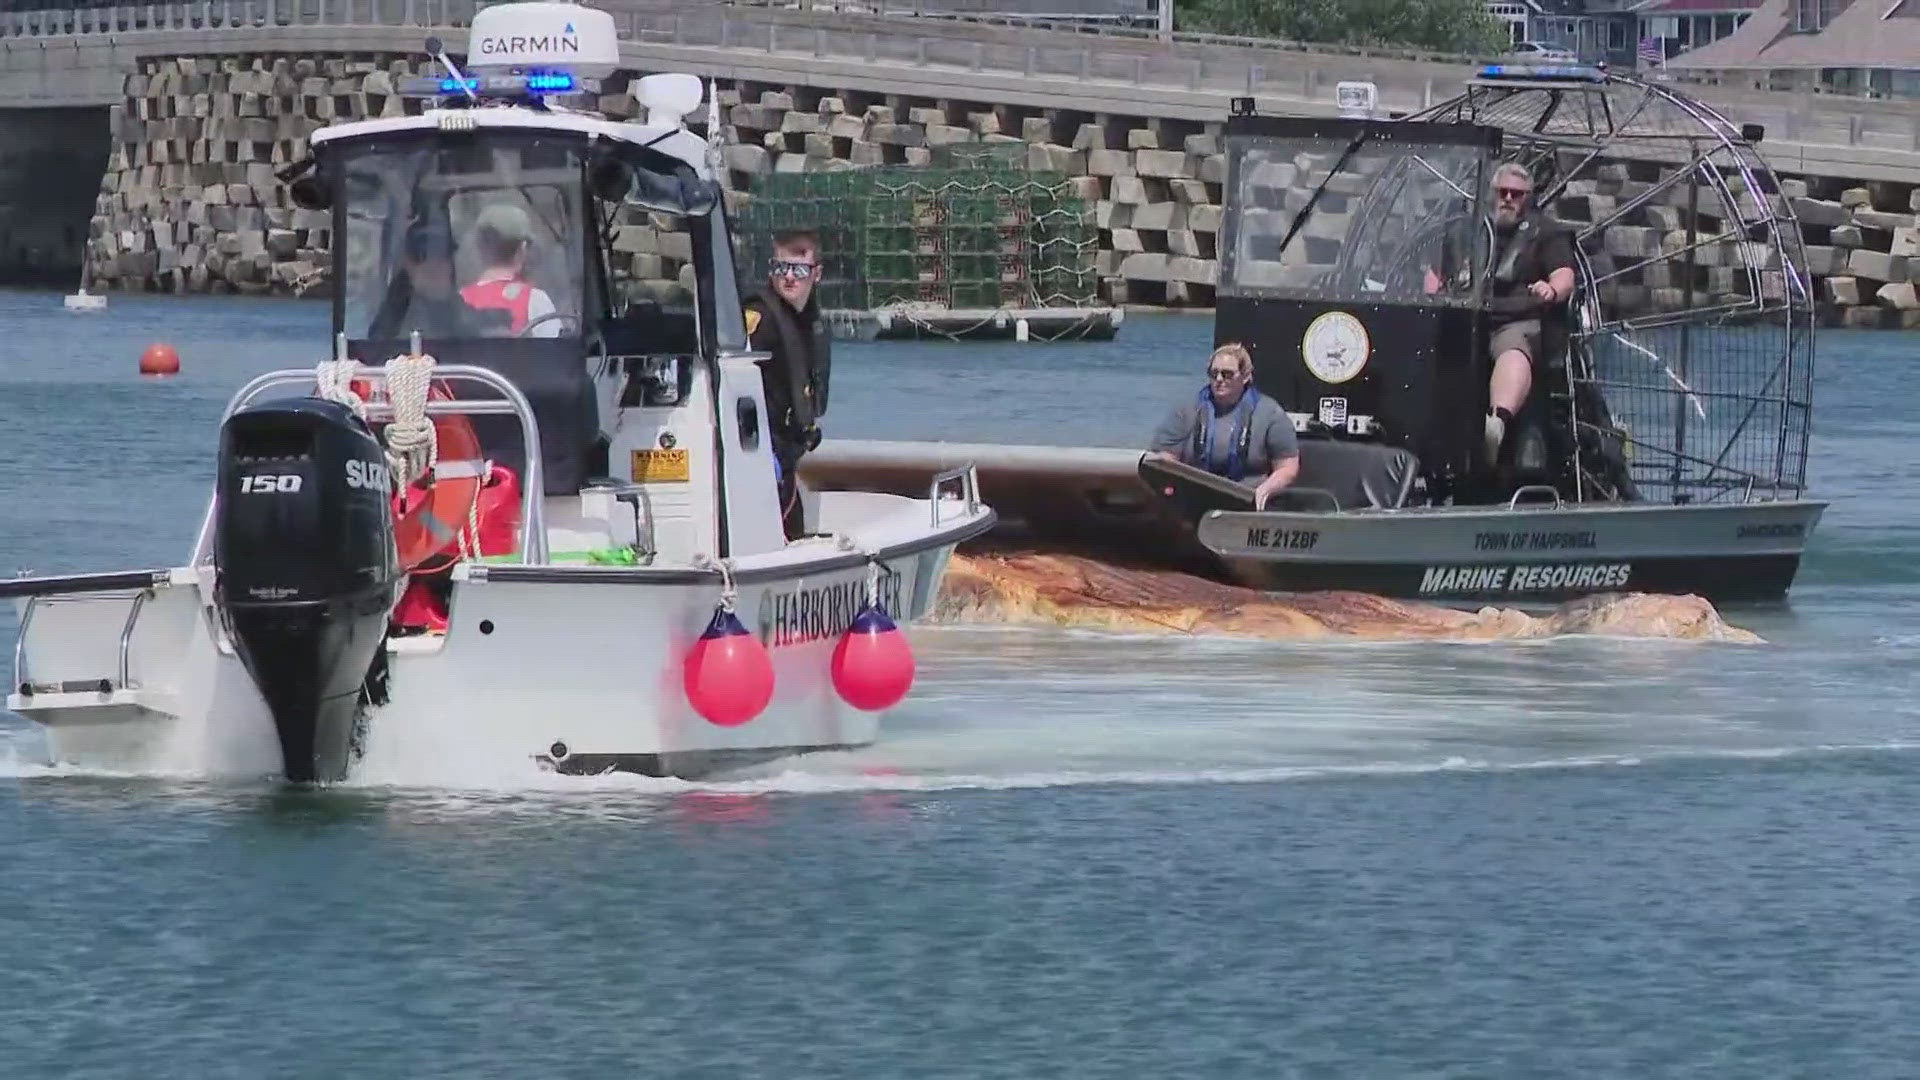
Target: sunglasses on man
(798,271)
(1223,374)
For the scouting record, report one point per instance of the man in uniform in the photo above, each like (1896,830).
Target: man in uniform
(422,295)
(1532,272)
(783,319)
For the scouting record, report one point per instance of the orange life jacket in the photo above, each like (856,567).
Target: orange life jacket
(510,295)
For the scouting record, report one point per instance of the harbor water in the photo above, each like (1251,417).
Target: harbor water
(1071,855)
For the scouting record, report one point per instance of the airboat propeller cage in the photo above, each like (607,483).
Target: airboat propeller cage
(1680,370)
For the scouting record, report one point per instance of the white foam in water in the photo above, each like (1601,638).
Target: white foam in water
(795,781)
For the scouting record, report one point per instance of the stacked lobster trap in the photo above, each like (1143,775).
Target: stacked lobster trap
(973,229)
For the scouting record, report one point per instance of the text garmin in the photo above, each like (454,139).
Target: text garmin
(796,618)
(1525,577)
(542,43)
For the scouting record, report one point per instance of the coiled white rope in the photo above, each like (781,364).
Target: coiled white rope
(413,448)
(333,380)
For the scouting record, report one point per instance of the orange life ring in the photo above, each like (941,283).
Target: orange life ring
(430,515)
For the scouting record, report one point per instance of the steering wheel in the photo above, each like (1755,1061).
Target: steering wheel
(548,317)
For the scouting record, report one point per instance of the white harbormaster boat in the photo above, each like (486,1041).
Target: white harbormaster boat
(500,517)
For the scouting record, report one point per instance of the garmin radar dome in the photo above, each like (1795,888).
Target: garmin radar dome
(543,37)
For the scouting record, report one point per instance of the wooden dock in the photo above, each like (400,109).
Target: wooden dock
(907,323)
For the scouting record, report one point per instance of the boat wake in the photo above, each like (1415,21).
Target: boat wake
(1072,591)
(630,797)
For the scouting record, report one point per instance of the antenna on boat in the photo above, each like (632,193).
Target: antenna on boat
(438,50)
(713,127)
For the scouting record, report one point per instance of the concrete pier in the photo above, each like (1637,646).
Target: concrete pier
(203,102)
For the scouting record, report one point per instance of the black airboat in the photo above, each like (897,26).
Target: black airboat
(1662,449)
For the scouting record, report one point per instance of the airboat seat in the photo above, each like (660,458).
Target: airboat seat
(1355,474)
(1530,452)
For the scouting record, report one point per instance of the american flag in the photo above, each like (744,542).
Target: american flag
(1653,51)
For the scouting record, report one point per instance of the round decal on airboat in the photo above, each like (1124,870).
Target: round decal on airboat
(1335,347)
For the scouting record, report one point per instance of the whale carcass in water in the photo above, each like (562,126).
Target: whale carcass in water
(1078,592)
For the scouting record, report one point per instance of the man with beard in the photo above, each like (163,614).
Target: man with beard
(783,319)
(1531,273)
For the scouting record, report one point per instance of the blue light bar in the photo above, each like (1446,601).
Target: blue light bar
(531,84)
(1573,72)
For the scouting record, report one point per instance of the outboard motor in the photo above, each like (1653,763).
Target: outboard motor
(306,570)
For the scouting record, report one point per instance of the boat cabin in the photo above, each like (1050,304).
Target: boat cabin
(486,226)
(1357,265)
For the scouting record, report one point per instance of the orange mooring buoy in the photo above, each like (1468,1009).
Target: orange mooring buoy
(159,359)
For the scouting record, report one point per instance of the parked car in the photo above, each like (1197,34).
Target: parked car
(1536,52)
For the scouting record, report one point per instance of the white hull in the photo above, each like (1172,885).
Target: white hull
(575,667)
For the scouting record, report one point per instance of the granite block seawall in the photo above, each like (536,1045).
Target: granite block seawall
(190,202)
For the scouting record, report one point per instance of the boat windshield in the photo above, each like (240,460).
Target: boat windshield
(483,237)
(1391,210)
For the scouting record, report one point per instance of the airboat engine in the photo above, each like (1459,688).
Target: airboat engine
(306,570)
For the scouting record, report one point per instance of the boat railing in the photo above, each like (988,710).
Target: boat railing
(1548,491)
(1333,500)
(23,682)
(533,528)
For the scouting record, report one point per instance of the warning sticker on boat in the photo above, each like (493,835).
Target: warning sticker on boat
(659,466)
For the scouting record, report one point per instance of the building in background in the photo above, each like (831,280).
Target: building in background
(1836,46)
(1677,26)
(1592,30)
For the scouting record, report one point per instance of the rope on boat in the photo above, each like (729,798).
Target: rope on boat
(413,448)
(469,537)
(847,543)
(333,381)
(725,566)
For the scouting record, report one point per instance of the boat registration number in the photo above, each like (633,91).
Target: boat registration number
(659,466)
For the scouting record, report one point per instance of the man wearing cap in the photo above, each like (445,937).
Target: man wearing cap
(503,233)
(423,298)
(783,320)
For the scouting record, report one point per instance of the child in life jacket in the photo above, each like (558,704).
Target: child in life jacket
(503,233)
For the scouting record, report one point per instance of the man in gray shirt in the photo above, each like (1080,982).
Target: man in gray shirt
(1232,430)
